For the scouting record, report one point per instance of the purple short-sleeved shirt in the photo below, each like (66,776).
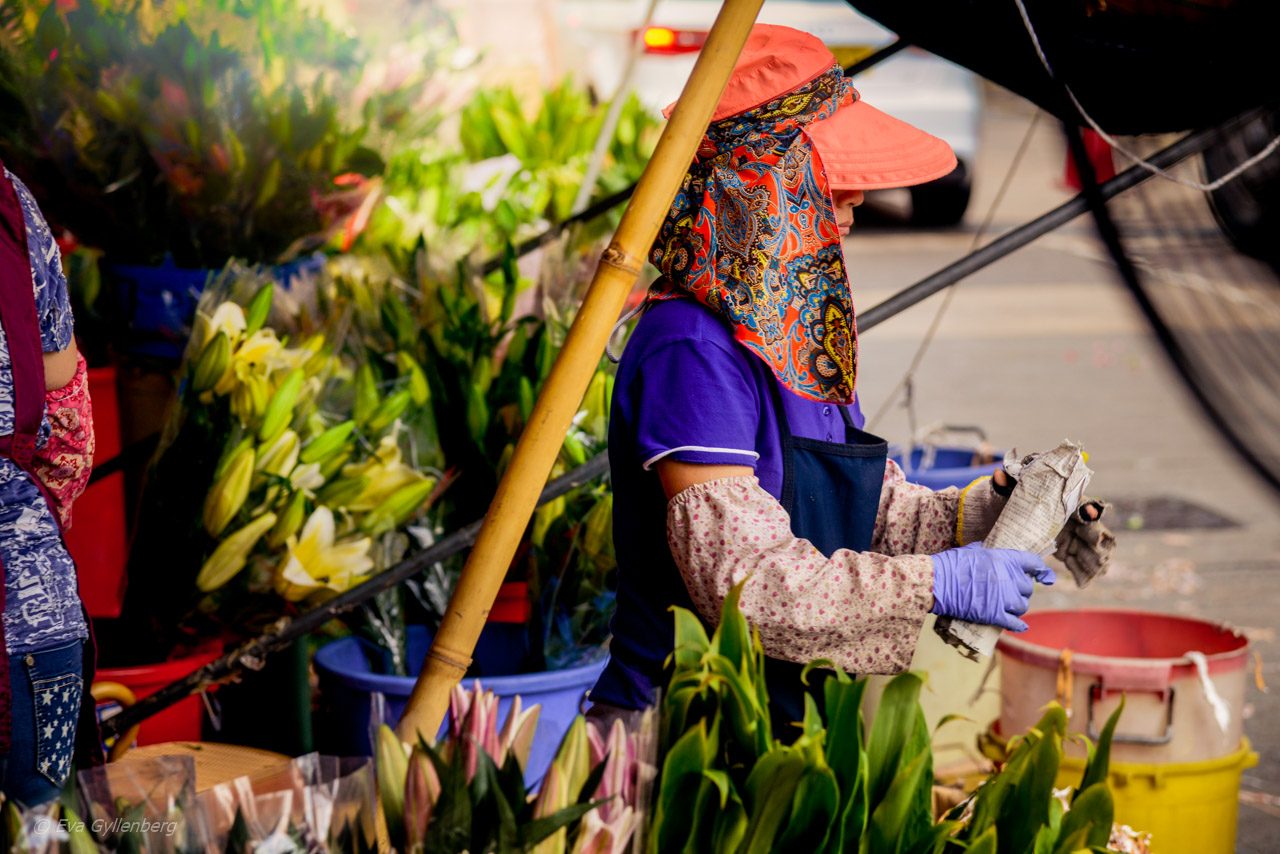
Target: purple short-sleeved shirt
(686,390)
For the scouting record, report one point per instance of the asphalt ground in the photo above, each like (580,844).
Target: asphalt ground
(1047,344)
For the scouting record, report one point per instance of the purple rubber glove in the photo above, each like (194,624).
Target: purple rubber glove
(988,586)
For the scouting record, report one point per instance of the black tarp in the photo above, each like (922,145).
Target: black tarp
(1137,66)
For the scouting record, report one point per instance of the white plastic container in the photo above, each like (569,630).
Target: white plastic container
(1088,659)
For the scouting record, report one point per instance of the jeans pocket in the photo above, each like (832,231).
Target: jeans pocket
(57,710)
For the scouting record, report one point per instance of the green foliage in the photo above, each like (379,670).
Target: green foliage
(727,784)
(451,198)
(205,130)
(455,800)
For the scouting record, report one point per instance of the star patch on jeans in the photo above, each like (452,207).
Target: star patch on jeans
(57,707)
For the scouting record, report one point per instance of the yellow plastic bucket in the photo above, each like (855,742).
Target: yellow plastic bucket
(1187,807)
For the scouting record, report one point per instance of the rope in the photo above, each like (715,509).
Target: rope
(1137,159)
(908,378)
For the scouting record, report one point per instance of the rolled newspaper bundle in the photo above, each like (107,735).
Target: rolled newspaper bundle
(1050,487)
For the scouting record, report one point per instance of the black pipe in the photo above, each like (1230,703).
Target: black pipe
(1187,146)
(604,205)
(871,61)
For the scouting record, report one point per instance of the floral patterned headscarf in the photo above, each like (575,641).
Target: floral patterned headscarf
(752,235)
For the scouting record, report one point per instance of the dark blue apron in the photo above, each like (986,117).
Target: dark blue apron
(832,492)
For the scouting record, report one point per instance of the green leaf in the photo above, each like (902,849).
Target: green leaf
(771,788)
(540,828)
(513,130)
(748,722)
(1046,840)
(984,844)
(1092,813)
(712,795)
(847,757)
(891,827)
(1073,842)
(732,638)
(936,839)
(691,639)
(990,800)
(1099,764)
(894,741)
(948,719)
(682,778)
(1026,809)
(269,186)
(814,810)
(731,826)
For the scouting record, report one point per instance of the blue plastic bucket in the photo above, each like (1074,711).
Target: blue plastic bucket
(157,303)
(950,465)
(348,681)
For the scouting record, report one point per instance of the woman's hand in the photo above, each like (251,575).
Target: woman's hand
(989,586)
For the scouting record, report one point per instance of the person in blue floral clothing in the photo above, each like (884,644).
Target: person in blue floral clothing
(46,447)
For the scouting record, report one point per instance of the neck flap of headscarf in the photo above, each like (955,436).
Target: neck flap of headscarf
(752,235)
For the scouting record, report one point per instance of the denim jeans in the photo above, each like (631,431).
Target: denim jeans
(46,687)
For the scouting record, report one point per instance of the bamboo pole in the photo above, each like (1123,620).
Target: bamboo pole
(539,444)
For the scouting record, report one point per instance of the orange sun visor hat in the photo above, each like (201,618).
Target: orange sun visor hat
(860,147)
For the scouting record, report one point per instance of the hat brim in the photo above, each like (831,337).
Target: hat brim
(862,148)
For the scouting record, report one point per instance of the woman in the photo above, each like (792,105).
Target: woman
(46,447)
(735,445)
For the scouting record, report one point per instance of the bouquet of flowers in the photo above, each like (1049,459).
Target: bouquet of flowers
(288,468)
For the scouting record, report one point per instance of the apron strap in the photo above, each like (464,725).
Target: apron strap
(26,361)
(21,326)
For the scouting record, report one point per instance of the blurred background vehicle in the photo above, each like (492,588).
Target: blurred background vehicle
(916,86)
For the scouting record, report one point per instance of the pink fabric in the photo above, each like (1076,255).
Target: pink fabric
(862,610)
(914,519)
(65,462)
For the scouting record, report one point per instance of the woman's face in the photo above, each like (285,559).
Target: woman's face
(845,201)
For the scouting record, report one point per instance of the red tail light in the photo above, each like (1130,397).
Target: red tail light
(665,40)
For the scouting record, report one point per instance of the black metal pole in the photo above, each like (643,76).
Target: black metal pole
(1007,243)
(872,60)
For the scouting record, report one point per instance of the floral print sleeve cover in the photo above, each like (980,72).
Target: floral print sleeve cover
(64,463)
(914,519)
(861,610)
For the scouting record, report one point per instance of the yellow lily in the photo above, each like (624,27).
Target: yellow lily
(307,478)
(232,553)
(228,318)
(281,456)
(253,357)
(316,563)
(384,473)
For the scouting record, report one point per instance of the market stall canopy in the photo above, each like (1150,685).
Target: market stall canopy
(1137,66)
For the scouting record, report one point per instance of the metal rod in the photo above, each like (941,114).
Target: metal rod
(285,631)
(1007,243)
(872,60)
